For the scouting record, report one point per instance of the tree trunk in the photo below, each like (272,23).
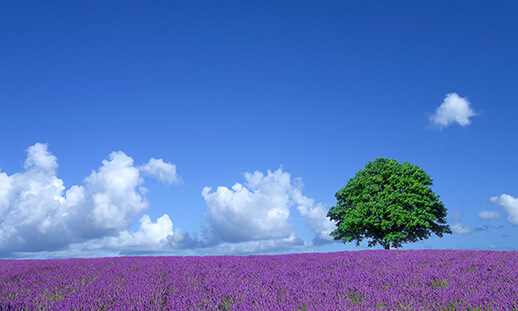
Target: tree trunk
(387,246)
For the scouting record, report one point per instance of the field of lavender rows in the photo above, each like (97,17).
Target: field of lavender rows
(360,280)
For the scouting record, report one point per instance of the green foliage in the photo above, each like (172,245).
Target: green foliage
(389,202)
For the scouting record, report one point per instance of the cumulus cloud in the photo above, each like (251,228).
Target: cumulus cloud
(238,214)
(36,213)
(510,205)
(112,193)
(260,209)
(165,172)
(460,229)
(40,217)
(488,215)
(151,236)
(39,158)
(32,204)
(150,232)
(453,109)
(316,217)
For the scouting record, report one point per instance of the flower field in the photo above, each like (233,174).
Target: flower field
(360,280)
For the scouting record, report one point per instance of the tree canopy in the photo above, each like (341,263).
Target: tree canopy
(389,202)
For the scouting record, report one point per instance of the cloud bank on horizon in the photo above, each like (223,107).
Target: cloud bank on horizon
(37,213)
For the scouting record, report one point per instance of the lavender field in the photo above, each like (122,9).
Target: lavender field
(361,280)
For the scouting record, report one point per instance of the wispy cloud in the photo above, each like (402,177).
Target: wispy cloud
(453,109)
(488,215)
(461,229)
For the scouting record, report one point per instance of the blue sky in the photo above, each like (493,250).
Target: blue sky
(119,121)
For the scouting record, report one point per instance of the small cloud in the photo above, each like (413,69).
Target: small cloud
(453,109)
(39,158)
(460,229)
(510,205)
(488,215)
(165,172)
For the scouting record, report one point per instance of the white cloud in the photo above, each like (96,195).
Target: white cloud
(39,217)
(158,231)
(488,215)
(510,205)
(290,243)
(112,193)
(460,228)
(238,214)
(165,172)
(37,214)
(453,109)
(151,235)
(316,216)
(39,158)
(32,204)
(260,209)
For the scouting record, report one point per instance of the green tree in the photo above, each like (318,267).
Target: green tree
(389,202)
